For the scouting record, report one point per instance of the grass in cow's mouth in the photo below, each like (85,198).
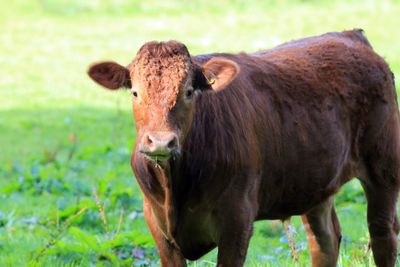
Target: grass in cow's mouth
(61,136)
(158,158)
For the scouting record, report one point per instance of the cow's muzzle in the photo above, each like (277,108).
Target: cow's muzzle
(159,146)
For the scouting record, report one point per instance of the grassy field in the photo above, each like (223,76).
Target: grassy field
(68,197)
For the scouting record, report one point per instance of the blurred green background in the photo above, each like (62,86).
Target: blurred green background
(68,196)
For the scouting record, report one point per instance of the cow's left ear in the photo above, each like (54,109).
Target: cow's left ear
(111,75)
(220,72)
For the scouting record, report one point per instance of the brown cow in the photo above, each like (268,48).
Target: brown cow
(289,128)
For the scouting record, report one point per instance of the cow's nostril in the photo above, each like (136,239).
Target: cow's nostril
(172,144)
(149,140)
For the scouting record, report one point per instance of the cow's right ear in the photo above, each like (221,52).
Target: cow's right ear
(111,75)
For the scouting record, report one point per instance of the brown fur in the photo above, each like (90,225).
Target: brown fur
(293,124)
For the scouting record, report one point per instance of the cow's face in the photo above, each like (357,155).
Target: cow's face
(164,83)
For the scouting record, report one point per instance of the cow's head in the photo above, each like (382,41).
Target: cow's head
(164,82)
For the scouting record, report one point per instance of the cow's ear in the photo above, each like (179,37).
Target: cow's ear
(220,72)
(111,75)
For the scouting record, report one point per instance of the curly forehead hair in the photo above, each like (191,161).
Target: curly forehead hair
(164,49)
(161,68)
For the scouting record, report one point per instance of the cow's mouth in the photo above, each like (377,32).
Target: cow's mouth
(158,157)
(162,157)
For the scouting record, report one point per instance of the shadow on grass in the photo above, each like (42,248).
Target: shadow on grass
(27,134)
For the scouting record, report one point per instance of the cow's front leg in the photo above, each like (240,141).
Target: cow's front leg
(170,256)
(233,244)
(235,226)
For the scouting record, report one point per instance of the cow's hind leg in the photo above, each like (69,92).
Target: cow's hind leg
(323,233)
(382,223)
(381,183)
(382,219)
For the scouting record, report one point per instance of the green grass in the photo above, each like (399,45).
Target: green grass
(61,135)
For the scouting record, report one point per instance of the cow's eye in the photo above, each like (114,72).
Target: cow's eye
(189,93)
(134,93)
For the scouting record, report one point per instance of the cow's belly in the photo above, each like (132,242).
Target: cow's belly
(308,170)
(297,198)
(297,190)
